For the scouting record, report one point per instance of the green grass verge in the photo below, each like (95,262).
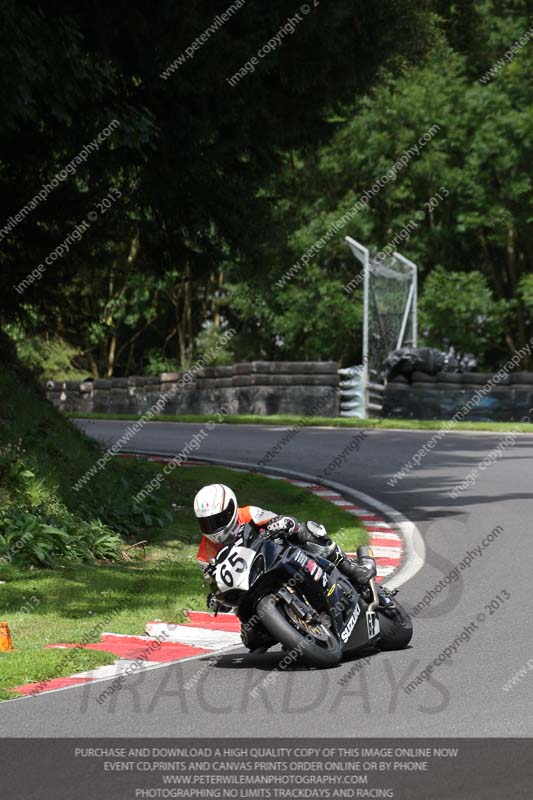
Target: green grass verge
(43,456)
(333,422)
(76,601)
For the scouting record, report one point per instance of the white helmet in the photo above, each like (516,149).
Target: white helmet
(215,507)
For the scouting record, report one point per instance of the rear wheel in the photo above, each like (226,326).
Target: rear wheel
(396,628)
(308,642)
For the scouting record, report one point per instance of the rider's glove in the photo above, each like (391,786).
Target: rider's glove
(282,524)
(208,570)
(215,606)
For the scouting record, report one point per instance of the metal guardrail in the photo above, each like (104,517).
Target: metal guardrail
(352,392)
(356,399)
(375,392)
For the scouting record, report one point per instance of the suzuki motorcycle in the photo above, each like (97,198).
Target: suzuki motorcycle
(283,595)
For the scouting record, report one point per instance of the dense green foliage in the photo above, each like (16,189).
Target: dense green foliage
(185,172)
(468,191)
(43,519)
(215,191)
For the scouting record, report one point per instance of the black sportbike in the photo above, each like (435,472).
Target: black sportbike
(283,595)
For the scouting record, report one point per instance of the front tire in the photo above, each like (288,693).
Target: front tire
(396,628)
(321,651)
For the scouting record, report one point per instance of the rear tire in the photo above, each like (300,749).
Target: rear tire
(396,630)
(305,650)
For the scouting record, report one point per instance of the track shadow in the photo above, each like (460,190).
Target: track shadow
(272,660)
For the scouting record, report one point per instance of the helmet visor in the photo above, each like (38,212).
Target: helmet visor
(217,522)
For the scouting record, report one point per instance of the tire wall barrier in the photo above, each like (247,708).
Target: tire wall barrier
(309,388)
(443,396)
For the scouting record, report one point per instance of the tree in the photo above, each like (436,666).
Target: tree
(468,189)
(458,308)
(191,152)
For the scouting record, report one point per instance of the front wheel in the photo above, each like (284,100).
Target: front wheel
(310,643)
(396,628)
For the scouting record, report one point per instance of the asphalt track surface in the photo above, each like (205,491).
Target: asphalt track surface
(464,696)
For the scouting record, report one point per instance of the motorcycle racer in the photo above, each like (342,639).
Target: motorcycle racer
(219,517)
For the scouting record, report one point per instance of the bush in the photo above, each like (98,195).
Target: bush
(213,346)
(26,539)
(44,521)
(48,357)
(156,363)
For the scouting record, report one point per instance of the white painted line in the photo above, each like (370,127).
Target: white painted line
(385,535)
(385,572)
(153,665)
(110,670)
(208,638)
(386,552)
(142,636)
(378,527)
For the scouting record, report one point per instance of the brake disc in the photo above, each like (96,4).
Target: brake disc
(317,630)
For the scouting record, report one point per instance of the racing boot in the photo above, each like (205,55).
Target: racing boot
(314,539)
(358,572)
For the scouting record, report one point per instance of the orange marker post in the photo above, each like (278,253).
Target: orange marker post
(6,645)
